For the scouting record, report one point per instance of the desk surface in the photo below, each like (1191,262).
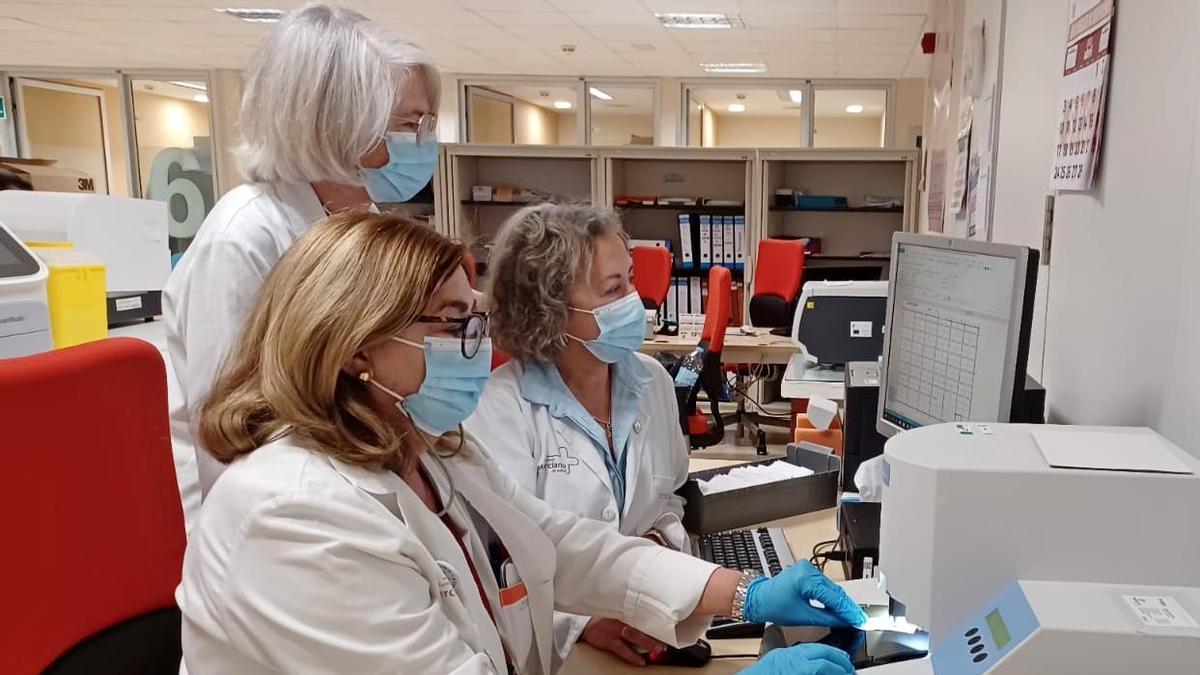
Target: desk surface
(802,532)
(765,348)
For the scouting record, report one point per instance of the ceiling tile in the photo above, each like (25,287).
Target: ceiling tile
(507,5)
(444,5)
(892,21)
(552,18)
(672,70)
(884,6)
(573,6)
(725,6)
(785,36)
(883,71)
(617,19)
(471,33)
(877,37)
(557,35)
(437,19)
(789,6)
(769,20)
(653,35)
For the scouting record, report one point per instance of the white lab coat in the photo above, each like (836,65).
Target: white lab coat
(520,425)
(301,563)
(210,293)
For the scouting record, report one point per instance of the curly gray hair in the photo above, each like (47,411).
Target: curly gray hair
(540,252)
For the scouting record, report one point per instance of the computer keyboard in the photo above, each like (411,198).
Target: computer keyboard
(762,549)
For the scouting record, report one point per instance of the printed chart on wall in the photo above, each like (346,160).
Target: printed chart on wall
(1086,63)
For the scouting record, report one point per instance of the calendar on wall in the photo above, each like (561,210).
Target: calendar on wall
(1086,64)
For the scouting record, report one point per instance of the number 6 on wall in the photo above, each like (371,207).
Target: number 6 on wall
(164,189)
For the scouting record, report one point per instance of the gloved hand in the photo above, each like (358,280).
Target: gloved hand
(784,599)
(806,659)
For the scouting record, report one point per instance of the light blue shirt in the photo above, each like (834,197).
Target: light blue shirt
(542,384)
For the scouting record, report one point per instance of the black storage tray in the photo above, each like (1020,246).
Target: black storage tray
(705,514)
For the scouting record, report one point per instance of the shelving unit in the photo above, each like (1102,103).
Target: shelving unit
(564,173)
(845,233)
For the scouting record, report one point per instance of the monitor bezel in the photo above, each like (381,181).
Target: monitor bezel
(1018,338)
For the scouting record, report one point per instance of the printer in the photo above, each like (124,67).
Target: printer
(1012,549)
(24,311)
(128,235)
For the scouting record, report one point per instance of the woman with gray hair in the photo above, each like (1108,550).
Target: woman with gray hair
(579,418)
(336,115)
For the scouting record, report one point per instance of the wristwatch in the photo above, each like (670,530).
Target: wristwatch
(738,611)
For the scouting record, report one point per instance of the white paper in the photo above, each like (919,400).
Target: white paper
(961,167)
(1111,451)
(751,476)
(1160,611)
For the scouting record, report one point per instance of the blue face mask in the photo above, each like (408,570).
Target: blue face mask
(622,328)
(409,168)
(452,385)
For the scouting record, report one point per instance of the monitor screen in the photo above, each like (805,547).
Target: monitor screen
(951,324)
(15,260)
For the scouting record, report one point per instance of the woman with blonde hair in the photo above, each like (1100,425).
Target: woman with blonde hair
(357,529)
(336,114)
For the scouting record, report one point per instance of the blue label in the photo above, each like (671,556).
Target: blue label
(887,473)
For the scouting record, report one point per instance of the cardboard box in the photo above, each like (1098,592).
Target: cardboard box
(46,177)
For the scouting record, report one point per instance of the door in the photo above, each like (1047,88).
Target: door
(66,123)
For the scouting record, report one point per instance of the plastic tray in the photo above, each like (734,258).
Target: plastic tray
(705,514)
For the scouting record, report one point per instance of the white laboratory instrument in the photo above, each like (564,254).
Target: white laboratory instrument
(840,321)
(24,311)
(128,235)
(969,509)
(1034,627)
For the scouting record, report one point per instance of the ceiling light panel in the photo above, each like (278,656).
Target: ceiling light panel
(251,15)
(699,20)
(743,68)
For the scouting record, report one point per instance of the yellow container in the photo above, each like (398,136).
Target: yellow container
(77,294)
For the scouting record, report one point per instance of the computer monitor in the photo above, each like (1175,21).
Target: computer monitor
(841,321)
(957,344)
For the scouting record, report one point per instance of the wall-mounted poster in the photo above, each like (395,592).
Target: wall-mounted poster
(1086,64)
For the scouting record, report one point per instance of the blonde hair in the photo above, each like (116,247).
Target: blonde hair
(536,258)
(353,279)
(319,94)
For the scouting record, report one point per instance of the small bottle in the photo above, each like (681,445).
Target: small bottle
(689,369)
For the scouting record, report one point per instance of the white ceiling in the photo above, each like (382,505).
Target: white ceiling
(794,38)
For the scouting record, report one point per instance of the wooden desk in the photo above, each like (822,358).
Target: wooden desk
(765,348)
(802,532)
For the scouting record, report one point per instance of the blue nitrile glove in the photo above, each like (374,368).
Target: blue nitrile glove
(784,599)
(806,659)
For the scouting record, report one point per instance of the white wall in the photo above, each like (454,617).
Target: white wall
(736,130)
(1123,320)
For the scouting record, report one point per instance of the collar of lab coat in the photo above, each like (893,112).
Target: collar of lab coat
(542,384)
(303,198)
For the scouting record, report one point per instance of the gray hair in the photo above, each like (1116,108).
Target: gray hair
(540,252)
(319,94)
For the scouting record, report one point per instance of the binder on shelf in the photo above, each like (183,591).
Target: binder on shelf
(654,243)
(704,296)
(739,239)
(671,307)
(706,241)
(730,242)
(686,260)
(695,306)
(718,240)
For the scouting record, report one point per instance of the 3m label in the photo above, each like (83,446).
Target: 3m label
(1159,610)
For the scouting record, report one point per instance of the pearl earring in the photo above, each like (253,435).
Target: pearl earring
(365,376)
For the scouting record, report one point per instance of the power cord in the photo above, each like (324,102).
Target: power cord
(825,551)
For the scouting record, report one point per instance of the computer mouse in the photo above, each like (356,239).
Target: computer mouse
(694,656)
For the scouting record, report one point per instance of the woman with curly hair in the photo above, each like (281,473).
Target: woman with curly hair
(589,424)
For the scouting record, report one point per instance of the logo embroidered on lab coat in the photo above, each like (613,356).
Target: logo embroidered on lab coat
(559,462)
(449,580)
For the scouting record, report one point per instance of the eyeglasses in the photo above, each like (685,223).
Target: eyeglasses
(425,128)
(470,329)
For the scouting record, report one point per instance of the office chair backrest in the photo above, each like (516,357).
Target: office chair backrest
(651,274)
(90,508)
(778,274)
(716,315)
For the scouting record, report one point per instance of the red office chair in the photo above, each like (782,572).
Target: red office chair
(651,274)
(90,507)
(702,432)
(778,274)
